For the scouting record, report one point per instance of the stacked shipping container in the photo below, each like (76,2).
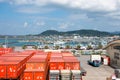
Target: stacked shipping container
(5,50)
(64,62)
(36,67)
(12,65)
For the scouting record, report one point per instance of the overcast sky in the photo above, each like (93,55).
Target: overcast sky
(35,16)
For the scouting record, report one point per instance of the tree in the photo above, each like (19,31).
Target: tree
(100,46)
(73,51)
(1,46)
(89,47)
(67,47)
(24,47)
(46,47)
(78,47)
(35,47)
(57,47)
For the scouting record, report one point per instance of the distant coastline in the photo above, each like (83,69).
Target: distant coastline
(82,32)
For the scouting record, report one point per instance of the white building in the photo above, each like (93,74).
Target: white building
(113,50)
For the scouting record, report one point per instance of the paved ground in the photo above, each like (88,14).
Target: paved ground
(95,73)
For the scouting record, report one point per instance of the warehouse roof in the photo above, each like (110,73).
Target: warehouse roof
(112,43)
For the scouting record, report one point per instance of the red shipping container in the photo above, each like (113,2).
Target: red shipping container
(12,70)
(60,65)
(70,57)
(56,55)
(39,57)
(2,51)
(72,64)
(34,75)
(31,53)
(12,67)
(53,66)
(28,75)
(5,50)
(8,50)
(36,64)
(68,65)
(40,66)
(2,71)
(49,55)
(39,53)
(9,70)
(67,54)
(21,77)
(56,64)
(76,65)
(39,76)
(29,65)
(53,58)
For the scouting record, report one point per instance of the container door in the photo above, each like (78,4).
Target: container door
(12,71)
(28,76)
(2,71)
(39,76)
(53,66)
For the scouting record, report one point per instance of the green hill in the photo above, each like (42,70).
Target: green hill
(79,32)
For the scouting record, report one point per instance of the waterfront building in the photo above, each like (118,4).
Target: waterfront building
(113,50)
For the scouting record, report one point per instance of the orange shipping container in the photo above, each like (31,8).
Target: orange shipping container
(12,67)
(5,50)
(3,71)
(29,65)
(53,58)
(72,64)
(70,58)
(36,64)
(67,54)
(76,65)
(56,54)
(34,75)
(39,76)
(28,75)
(68,65)
(40,66)
(10,70)
(60,65)
(53,66)
(21,77)
(56,64)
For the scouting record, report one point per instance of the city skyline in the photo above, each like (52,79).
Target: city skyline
(18,17)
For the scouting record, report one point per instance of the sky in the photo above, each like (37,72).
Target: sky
(21,17)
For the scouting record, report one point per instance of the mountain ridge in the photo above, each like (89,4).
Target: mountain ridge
(82,32)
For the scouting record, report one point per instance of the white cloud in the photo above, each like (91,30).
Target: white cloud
(114,15)
(65,25)
(27,10)
(61,2)
(80,16)
(30,2)
(95,5)
(92,5)
(42,23)
(34,10)
(25,24)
